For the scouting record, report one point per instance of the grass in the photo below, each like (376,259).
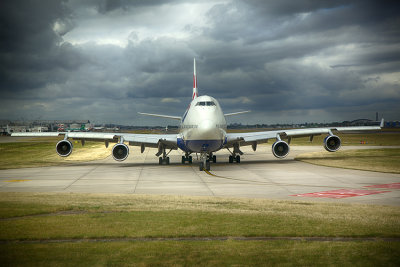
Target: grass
(46,216)
(379,160)
(42,153)
(210,253)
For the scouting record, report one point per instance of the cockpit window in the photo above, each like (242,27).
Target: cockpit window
(205,103)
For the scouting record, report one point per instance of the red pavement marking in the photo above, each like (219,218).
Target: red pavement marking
(393,186)
(341,193)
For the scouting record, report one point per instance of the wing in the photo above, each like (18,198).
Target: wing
(252,138)
(144,140)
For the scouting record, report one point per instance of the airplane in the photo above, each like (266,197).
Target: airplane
(203,130)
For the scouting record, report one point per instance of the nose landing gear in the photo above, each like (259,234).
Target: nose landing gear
(205,161)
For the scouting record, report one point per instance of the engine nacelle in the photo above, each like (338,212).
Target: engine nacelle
(332,143)
(64,148)
(280,149)
(120,152)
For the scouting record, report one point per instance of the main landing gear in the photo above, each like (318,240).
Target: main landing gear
(164,158)
(187,158)
(234,157)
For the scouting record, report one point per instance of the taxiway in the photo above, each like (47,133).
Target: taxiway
(259,175)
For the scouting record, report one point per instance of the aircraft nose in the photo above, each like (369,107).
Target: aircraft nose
(207,129)
(206,125)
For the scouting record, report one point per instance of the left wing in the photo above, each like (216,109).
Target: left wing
(262,137)
(253,138)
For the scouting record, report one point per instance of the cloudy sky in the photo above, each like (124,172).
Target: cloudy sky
(287,61)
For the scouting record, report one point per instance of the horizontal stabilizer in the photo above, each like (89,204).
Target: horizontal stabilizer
(161,116)
(236,113)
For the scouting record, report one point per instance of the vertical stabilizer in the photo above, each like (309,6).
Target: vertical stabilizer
(195,93)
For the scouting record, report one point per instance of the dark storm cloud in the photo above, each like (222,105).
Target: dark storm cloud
(285,60)
(31,52)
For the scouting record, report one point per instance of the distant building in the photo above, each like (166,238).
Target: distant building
(18,129)
(39,129)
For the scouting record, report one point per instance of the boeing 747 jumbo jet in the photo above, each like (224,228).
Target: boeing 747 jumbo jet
(203,131)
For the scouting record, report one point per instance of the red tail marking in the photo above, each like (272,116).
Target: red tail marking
(194,81)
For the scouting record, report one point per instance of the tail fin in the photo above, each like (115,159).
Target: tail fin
(195,92)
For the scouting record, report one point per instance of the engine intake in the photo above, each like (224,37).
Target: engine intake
(120,152)
(280,149)
(332,143)
(64,148)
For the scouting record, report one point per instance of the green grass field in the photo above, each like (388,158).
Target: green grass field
(84,217)
(43,153)
(379,160)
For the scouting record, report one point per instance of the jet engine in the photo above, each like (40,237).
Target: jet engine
(332,143)
(120,152)
(280,149)
(64,148)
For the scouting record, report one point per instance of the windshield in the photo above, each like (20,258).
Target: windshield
(205,103)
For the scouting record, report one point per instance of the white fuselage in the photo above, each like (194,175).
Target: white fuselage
(203,126)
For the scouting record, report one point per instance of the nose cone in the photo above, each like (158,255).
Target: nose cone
(208,130)
(206,137)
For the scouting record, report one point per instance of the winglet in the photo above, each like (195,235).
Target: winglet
(195,92)
(382,123)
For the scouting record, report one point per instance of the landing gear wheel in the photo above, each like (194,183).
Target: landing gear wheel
(167,160)
(190,160)
(201,166)
(214,159)
(183,159)
(160,160)
(230,159)
(208,166)
(238,159)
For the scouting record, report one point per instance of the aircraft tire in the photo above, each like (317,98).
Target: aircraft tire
(238,159)
(201,166)
(190,160)
(167,160)
(183,159)
(230,159)
(214,159)
(160,160)
(208,166)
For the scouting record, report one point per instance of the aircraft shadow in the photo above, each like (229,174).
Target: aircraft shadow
(195,163)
